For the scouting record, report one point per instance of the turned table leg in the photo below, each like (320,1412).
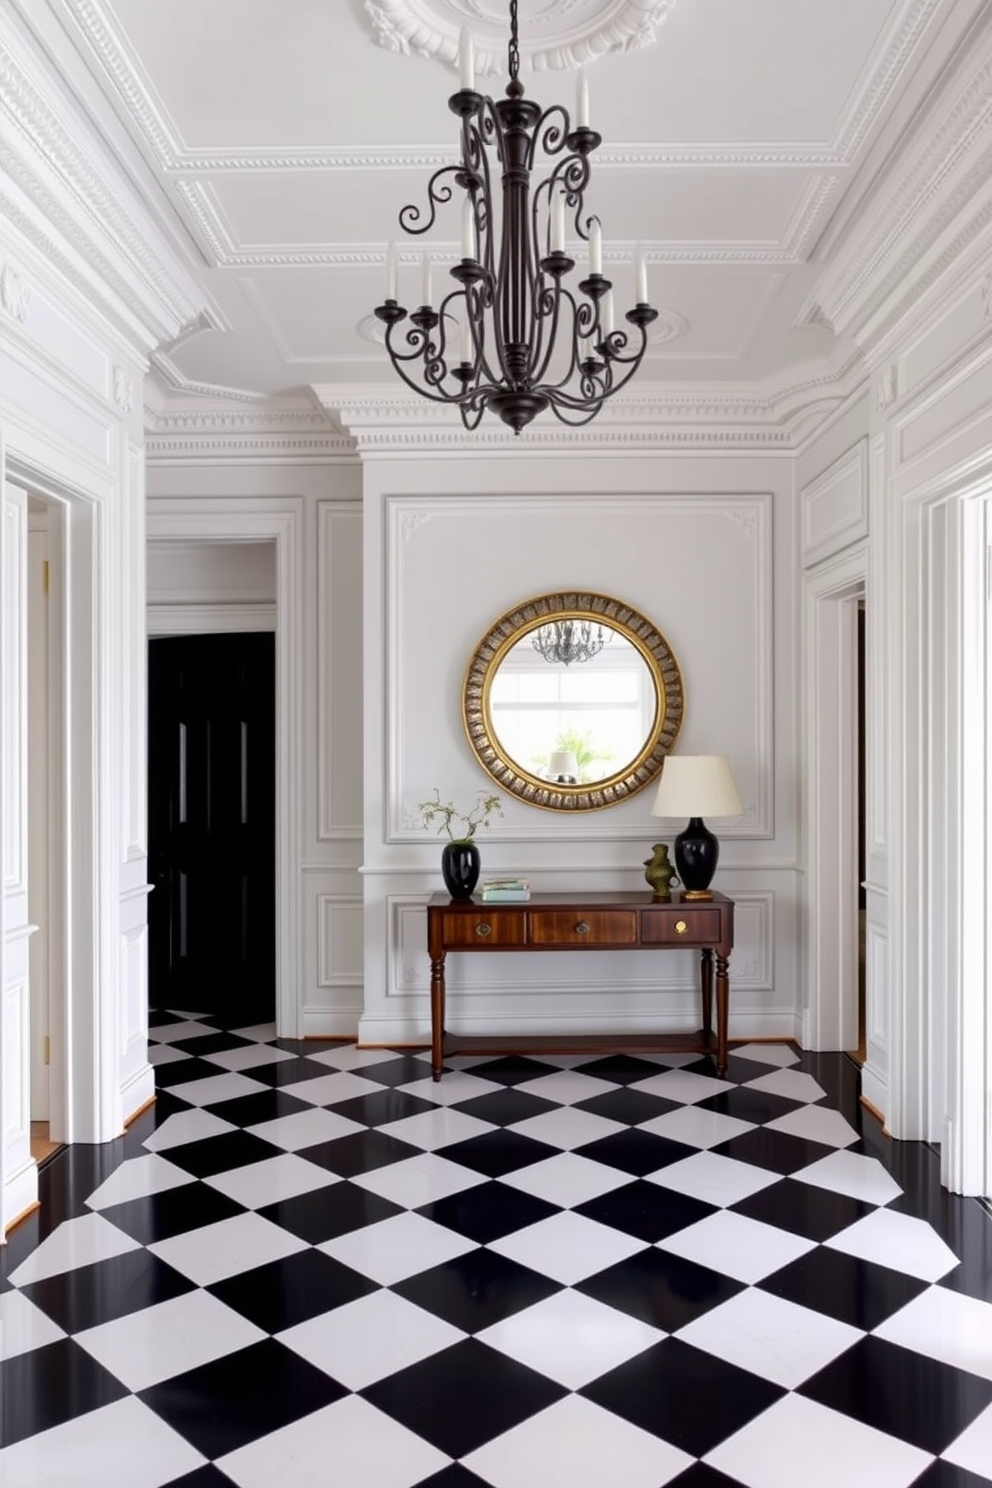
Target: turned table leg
(706,987)
(722,1006)
(437,1015)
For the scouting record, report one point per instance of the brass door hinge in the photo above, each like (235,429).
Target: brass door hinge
(44,576)
(46,1050)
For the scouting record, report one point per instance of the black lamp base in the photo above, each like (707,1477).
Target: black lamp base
(697,853)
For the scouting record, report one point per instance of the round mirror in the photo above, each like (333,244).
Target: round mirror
(572,701)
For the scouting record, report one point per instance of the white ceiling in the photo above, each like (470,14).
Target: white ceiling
(280,138)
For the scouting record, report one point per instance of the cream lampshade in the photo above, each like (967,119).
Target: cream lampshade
(697,785)
(563,767)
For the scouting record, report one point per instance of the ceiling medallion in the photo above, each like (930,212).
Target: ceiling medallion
(511,336)
(559,34)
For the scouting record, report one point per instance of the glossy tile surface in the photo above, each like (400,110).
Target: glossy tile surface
(310,1263)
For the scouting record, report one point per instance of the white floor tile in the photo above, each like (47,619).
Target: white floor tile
(682,1085)
(832,1449)
(566,1086)
(900,1241)
(455,1087)
(816,1124)
(790,1084)
(781,1055)
(275,1178)
(329,1090)
(695,1127)
(770,1337)
(76,1242)
(438,1128)
(567,1128)
(136,1178)
(571,1338)
(305,1129)
(714,1179)
(566,1180)
(419,1180)
(212,1089)
(972,1450)
(367,1449)
(945,1325)
(186,1126)
(167,1339)
(349,1056)
(173,1033)
(853,1174)
(124,1445)
(166,1054)
(262,1032)
(736,1246)
(23,1327)
(227,1248)
(579,1444)
(369,1339)
(567,1247)
(396,1248)
(248,1056)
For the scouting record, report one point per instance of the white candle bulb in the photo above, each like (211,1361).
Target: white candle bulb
(468,229)
(640,276)
(391,272)
(558,222)
(595,247)
(425,280)
(606,314)
(582,101)
(466,60)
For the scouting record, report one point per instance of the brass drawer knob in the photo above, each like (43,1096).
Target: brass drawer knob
(483,929)
(582,928)
(680,927)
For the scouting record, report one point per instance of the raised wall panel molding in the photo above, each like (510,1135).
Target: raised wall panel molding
(339,697)
(835,506)
(14,294)
(334,912)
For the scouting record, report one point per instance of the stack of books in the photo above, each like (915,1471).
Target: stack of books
(505,890)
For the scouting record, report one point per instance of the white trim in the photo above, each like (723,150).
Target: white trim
(210,619)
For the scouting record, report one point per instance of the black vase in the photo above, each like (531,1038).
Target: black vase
(460,865)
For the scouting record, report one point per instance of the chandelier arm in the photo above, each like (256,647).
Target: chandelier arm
(551,131)
(436,195)
(549,304)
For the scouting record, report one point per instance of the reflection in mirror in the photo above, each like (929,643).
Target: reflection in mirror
(578,720)
(572,701)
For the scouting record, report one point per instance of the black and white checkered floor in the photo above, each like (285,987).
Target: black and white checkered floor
(309,1266)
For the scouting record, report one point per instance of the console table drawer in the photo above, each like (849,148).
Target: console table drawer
(682,926)
(481,929)
(576,927)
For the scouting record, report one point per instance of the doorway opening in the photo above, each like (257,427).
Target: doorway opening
(211,825)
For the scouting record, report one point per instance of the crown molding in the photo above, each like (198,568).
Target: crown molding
(65,196)
(198,434)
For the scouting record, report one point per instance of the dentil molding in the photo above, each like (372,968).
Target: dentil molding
(557,34)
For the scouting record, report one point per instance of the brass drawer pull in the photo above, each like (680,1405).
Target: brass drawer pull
(680,927)
(483,929)
(582,928)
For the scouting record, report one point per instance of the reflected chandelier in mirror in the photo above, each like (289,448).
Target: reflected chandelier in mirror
(578,682)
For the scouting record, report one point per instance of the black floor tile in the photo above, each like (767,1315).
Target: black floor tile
(222,1153)
(283,1293)
(851,1290)
(454,1476)
(476,1290)
(901,1392)
(173,1212)
(777,1151)
(464,1396)
(506,1107)
(382,1107)
(701,1475)
(636,1152)
(514,1069)
(946,1475)
(488,1211)
(630,1106)
(748,1104)
(284,1072)
(359,1152)
(329,1212)
(200,1045)
(262,1105)
(391,1072)
(498,1152)
(50,1385)
(203,1477)
(684,1396)
(182,1071)
(622,1069)
(89,1295)
(645,1210)
(803,1209)
(664,1290)
(221,1406)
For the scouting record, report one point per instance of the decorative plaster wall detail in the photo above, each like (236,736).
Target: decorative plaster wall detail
(411,522)
(987,295)
(564,34)
(123,390)
(745,518)
(14,294)
(887,390)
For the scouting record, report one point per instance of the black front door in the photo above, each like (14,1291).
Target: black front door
(211,803)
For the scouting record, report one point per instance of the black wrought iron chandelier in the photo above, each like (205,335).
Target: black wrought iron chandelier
(512,337)
(565,641)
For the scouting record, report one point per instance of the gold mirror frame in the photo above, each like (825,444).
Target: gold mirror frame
(519,622)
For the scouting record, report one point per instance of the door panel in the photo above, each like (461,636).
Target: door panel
(211,707)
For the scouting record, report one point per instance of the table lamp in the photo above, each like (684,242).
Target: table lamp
(563,767)
(696,785)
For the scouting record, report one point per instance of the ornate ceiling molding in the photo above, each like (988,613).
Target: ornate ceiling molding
(274,435)
(555,35)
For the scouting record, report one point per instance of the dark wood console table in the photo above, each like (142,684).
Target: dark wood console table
(586,922)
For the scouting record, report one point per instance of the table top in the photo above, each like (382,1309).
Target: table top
(589,899)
